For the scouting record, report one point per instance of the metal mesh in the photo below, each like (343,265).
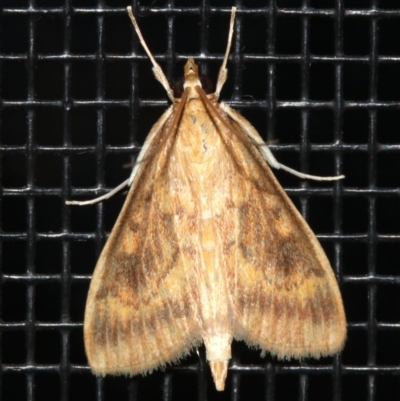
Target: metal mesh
(77,95)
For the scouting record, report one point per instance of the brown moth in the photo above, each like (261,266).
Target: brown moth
(208,248)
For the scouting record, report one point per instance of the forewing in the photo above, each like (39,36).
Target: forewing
(284,294)
(141,311)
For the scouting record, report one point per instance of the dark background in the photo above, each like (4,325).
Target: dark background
(77,94)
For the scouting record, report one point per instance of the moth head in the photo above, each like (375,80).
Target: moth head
(191,79)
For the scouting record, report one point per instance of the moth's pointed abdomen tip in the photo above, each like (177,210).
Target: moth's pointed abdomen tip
(219,370)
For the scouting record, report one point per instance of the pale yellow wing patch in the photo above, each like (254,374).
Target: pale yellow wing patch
(141,310)
(284,294)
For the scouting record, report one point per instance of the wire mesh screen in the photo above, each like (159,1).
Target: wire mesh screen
(319,80)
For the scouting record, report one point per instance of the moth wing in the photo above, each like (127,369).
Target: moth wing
(284,293)
(140,313)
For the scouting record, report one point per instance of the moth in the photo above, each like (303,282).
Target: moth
(208,248)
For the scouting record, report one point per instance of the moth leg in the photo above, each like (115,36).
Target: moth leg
(264,149)
(223,71)
(158,126)
(100,198)
(157,70)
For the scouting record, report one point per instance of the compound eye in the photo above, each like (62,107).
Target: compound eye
(206,84)
(178,88)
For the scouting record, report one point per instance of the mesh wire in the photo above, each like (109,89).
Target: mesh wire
(78,97)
